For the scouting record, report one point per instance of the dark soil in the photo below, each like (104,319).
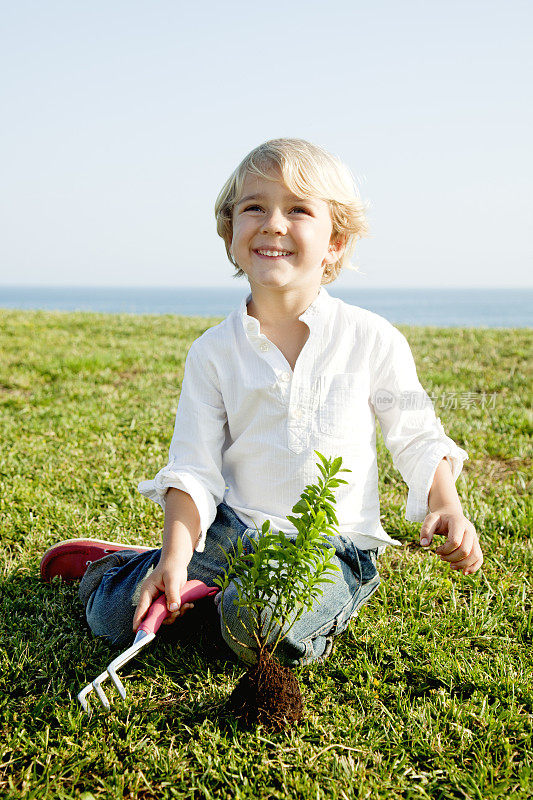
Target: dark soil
(268,694)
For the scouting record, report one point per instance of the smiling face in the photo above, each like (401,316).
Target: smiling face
(279,240)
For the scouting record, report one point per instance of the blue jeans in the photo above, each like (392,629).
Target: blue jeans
(110,589)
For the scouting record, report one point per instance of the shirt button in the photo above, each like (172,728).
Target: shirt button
(285,376)
(297,413)
(250,326)
(264,347)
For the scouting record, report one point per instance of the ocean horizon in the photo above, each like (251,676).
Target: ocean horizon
(493,308)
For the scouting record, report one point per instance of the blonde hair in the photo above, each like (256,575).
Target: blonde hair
(308,171)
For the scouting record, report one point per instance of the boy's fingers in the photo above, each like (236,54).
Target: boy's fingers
(456,533)
(475,566)
(145,601)
(469,566)
(463,563)
(472,562)
(185,607)
(464,551)
(174,616)
(172,593)
(428,529)
(171,618)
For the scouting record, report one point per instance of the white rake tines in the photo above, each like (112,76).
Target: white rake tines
(140,641)
(191,591)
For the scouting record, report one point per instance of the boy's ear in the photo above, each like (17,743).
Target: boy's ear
(336,248)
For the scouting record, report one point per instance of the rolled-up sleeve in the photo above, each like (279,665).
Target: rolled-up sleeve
(195,455)
(411,431)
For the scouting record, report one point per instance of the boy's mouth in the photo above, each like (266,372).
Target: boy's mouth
(271,253)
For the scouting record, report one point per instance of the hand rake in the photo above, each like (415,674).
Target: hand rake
(192,590)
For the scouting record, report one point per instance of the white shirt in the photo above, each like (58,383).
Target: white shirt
(247,426)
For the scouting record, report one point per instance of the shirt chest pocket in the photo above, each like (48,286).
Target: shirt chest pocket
(343,408)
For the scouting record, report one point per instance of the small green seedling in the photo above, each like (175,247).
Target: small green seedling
(282,576)
(275,584)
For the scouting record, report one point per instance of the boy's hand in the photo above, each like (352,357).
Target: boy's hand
(461,547)
(169,577)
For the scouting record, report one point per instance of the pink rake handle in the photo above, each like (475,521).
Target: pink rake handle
(192,590)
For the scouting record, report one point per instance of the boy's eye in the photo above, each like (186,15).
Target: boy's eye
(296,209)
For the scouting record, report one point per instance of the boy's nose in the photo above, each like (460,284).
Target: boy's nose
(274,223)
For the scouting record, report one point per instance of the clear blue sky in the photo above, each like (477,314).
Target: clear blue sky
(121,121)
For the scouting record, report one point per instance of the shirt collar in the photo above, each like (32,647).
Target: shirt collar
(315,315)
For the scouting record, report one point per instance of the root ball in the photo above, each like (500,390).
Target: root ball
(268,694)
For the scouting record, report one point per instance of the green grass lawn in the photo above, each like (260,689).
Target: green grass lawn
(427,695)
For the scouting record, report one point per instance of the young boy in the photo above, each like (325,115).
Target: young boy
(292,371)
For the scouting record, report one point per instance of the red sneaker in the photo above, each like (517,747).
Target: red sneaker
(71,558)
